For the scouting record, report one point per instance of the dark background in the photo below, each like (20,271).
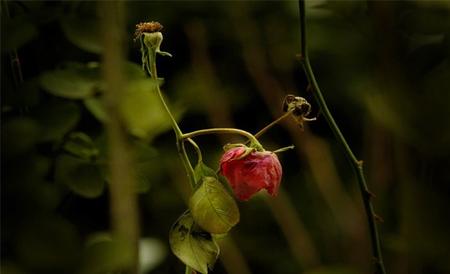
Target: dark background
(383,67)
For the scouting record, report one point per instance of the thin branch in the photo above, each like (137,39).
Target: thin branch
(356,164)
(244,133)
(152,70)
(154,76)
(197,150)
(14,56)
(266,128)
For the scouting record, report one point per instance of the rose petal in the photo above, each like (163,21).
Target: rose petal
(248,175)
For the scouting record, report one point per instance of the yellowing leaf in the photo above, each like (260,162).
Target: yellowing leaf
(193,246)
(213,208)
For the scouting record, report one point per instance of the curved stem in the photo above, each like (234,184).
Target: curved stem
(244,133)
(197,149)
(178,133)
(154,76)
(186,163)
(269,126)
(283,149)
(356,164)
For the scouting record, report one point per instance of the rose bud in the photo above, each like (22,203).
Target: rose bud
(249,171)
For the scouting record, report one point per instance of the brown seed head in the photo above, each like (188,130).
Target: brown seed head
(147,27)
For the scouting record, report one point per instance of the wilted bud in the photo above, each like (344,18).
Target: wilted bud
(299,105)
(153,40)
(147,27)
(248,173)
(151,36)
(300,108)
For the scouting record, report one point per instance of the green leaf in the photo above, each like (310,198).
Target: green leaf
(81,145)
(17,32)
(144,176)
(83,81)
(147,164)
(96,108)
(56,118)
(104,255)
(143,152)
(193,246)
(134,72)
(80,176)
(83,32)
(213,208)
(142,111)
(19,135)
(201,170)
(77,81)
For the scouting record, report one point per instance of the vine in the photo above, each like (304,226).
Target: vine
(356,164)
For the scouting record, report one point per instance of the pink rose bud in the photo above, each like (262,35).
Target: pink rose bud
(248,174)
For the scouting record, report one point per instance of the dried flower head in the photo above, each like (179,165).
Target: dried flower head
(300,109)
(147,27)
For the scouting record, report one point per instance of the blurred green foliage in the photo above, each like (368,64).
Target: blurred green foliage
(385,71)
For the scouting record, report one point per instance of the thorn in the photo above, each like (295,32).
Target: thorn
(360,163)
(370,194)
(376,260)
(309,88)
(378,218)
(299,56)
